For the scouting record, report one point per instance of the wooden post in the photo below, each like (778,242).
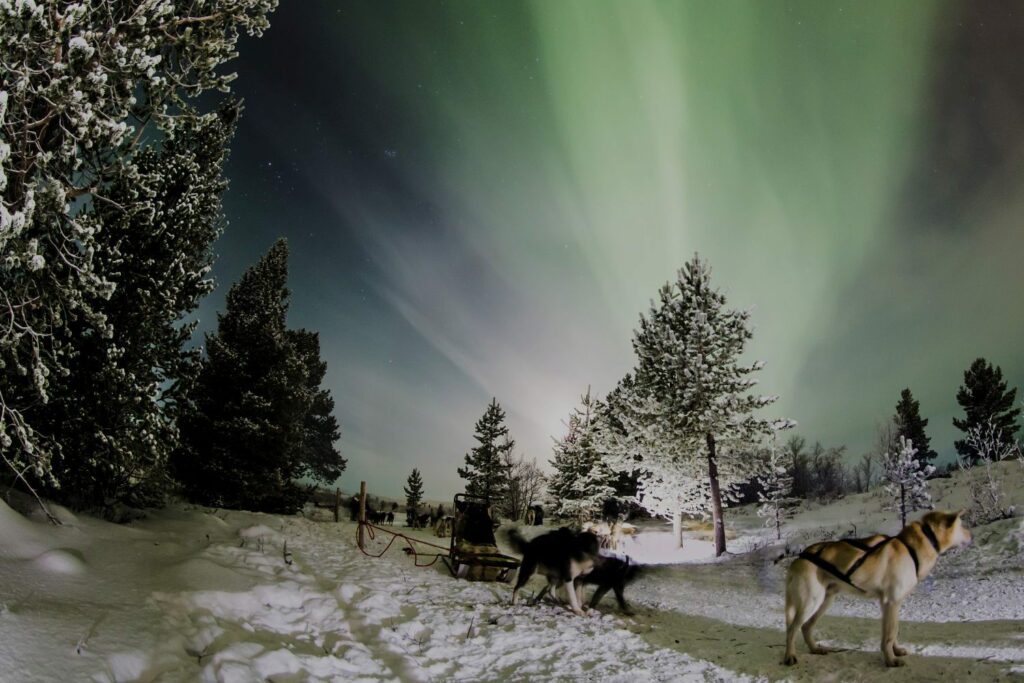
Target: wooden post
(337,505)
(362,512)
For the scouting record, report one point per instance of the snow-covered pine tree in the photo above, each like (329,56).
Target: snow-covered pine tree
(987,402)
(907,480)
(582,481)
(691,389)
(486,472)
(910,424)
(244,437)
(776,489)
(85,86)
(114,412)
(631,438)
(413,493)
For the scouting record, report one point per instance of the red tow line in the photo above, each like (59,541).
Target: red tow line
(408,541)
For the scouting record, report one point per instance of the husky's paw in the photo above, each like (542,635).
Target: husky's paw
(899,651)
(820,650)
(789,660)
(895,662)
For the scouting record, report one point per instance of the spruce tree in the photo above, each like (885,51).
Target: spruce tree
(910,425)
(987,402)
(85,88)
(582,482)
(318,427)
(690,390)
(114,412)
(254,405)
(413,492)
(486,472)
(907,480)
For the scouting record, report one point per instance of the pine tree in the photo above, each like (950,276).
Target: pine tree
(256,407)
(987,402)
(318,428)
(626,440)
(910,425)
(582,482)
(114,412)
(413,492)
(689,397)
(85,88)
(486,472)
(907,480)
(777,488)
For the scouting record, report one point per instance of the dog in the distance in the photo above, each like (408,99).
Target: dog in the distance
(611,572)
(561,556)
(885,568)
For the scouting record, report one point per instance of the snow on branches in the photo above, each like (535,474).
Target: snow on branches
(84,87)
(776,489)
(687,412)
(907,480)
(986,446)
(582,482)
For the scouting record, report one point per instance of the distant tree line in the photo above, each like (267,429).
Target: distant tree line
(681,434)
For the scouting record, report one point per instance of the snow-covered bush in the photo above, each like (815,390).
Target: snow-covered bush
(986,446)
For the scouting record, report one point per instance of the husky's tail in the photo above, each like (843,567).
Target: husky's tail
(516,540)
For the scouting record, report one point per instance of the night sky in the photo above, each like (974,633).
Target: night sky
(481,197)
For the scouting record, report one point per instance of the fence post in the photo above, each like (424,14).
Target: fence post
(337,504)
(362,513)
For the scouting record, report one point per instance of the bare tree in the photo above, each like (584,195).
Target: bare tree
(887,439)
(525,483)
(864,473)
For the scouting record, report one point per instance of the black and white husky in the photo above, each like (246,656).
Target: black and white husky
(561,556)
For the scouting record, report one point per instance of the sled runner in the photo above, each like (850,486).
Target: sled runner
(474,552)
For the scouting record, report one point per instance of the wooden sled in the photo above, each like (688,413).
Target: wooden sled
(474,553)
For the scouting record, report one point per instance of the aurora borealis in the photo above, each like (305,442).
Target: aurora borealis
(481,197)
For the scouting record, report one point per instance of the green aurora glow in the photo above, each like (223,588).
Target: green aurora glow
(567,156)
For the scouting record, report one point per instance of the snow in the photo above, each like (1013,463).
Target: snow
(189,595)
(193,594)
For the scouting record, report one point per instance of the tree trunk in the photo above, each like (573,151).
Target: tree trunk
(362,514)
(716,497)
(677,527)
(903,505)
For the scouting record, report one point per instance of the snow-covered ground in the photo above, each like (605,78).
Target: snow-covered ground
(194,594)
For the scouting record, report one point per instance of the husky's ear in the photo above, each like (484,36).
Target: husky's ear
(959,513)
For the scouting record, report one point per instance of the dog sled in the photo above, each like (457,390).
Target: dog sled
(474,552)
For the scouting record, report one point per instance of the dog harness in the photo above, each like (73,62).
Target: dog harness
(847,576)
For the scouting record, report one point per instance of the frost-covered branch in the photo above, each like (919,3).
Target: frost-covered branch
(76,80)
